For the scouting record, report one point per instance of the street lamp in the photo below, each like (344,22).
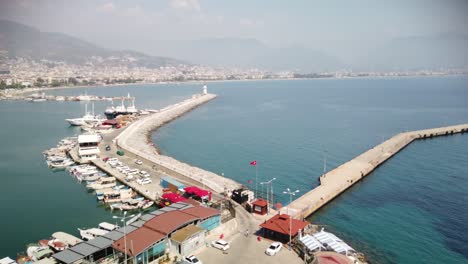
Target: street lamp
(290,217)
(122,219)
(271,185)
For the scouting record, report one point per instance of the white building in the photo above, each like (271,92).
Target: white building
(88,148)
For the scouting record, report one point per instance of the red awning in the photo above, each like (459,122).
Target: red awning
(196,191)
(173,197)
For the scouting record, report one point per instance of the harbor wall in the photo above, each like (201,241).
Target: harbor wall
(335,182)
(134,139)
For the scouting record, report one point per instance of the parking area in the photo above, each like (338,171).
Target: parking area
(246,250)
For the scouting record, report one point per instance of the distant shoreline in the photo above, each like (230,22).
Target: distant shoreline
(40,89)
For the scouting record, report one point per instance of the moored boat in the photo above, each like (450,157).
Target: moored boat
(88,234)
(67,238)
(57,245)
(37,253)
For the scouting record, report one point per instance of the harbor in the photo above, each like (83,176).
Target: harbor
(113,160)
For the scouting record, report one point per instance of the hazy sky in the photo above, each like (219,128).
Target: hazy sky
(338,27)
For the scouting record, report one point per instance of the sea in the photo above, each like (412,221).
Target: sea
(412,209)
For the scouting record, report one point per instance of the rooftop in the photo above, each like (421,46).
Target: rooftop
(138,240)
(88,138)
(280,223)
(169,221)
(186,232)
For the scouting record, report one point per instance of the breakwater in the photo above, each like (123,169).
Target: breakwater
(343,177)
(134,139)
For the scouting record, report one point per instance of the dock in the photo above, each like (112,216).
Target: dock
(135,139)
(335,182)
(151,191)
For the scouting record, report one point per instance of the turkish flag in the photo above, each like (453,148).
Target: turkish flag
(253,163)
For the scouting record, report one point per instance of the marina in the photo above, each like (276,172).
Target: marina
(128,160)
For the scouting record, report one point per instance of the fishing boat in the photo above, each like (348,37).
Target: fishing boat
(118,195)
(147,204)
(37,253)
(60,164)
(57,245)
(102,183)
(88,234)
(67,238)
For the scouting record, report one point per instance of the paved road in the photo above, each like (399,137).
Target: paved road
(247,250)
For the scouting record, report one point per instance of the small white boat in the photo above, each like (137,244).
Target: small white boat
(108,226)
(67,238)
(57,245)
(61,164)
(37,253)
(88,234)
(147,204)
(102,183)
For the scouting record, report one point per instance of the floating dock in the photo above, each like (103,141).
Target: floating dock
(134,139)
(340,179)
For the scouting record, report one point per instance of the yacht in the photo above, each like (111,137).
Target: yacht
(110,111)
(88,118)
(131,109)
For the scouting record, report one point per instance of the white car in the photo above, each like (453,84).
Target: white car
(144,181)
(138,162)
(192,260)
(274,248)
(220,244)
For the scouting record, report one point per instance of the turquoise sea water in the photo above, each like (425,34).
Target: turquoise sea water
(410,210)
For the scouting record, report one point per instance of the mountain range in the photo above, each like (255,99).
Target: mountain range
(447,50)
(19,40)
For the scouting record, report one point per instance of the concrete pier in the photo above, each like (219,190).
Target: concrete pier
(340,179)
(134,139)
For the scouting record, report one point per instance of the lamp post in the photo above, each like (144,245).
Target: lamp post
(122,219)
(291,193)
(267,183)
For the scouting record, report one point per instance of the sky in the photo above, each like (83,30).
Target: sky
(336,27)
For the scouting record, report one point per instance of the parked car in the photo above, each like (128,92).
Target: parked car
(220,244)
(144,181)
(192,260)
(274,248)
(138,162)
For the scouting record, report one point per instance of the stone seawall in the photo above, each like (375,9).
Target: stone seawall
(134,139)
(336,181)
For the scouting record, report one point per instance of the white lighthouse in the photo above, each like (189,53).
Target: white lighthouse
(205,89)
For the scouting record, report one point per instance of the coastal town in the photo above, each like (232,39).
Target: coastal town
(26,73)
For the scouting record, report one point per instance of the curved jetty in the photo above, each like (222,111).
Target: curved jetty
(134,139)
(338,180)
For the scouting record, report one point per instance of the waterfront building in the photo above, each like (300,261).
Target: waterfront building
(179,228)
(281,226)
(88,148)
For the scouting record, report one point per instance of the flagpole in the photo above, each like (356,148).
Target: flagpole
(256,181)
